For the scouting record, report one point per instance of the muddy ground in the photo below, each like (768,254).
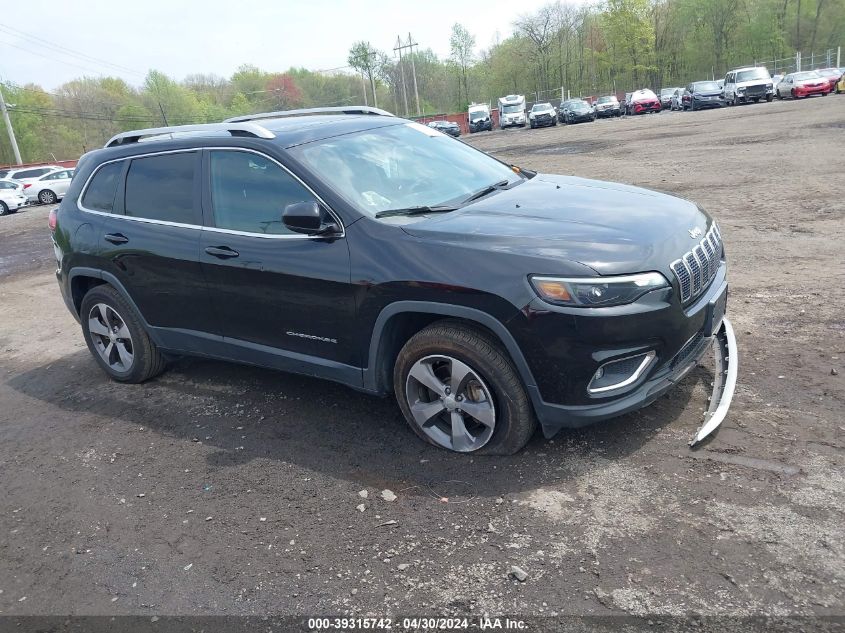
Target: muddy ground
(220,489)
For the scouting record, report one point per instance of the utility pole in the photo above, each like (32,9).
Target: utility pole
(10,129)
(364,88)
(399,47)
(411,45)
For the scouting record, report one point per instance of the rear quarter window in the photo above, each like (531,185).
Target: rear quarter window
(99,195)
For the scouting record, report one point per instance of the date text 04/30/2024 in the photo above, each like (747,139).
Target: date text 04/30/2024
(417,624)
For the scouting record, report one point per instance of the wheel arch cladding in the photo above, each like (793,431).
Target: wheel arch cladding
(79,287)
(399,321)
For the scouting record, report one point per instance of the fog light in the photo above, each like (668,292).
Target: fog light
(621,373)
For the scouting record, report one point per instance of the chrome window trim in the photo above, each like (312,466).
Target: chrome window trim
(201,227)
(650,356)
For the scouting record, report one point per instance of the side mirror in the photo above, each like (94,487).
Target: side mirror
(307,217)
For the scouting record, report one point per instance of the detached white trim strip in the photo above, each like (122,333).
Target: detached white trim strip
(730,357)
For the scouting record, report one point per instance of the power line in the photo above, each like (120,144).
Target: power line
(59,48)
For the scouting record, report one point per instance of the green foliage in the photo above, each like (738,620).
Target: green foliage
(582,48)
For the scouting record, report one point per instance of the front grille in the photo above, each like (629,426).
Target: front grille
(696,269)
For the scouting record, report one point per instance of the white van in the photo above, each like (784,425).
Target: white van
(744,85)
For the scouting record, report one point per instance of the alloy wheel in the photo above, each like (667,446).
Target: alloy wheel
(450,403)
(111,337)
(47,197)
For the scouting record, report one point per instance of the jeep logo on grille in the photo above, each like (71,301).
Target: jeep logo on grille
(694,232)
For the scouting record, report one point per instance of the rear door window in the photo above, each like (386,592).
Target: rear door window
(163,188)
(99,195)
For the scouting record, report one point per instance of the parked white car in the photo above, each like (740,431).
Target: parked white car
(50,188)
(12,196)
(28,174)
(745,85)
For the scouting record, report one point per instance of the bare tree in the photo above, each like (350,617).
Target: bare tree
(461,45)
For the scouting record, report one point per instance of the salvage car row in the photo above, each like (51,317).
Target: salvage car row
(741,85)
(21,186)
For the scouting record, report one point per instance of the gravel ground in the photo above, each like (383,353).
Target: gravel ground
(220,489)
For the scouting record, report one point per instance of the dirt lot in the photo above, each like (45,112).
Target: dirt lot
(223,489)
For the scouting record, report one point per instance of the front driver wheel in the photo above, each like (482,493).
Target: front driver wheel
(458,390)
(116,338)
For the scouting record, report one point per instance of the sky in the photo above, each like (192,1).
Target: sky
(182,37)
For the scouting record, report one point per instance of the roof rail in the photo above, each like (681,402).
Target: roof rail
(308,111)
(235,129)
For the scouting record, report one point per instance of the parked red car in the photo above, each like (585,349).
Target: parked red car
(802,84)
(643,101)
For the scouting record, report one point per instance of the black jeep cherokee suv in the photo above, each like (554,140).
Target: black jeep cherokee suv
(376,252)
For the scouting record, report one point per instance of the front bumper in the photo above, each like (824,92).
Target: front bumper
(713,102)
(649,106)
(544,122)
(17,203)
(481,126)
(565,349)
(806,91)
(608,112)
(579,118)
(515,122)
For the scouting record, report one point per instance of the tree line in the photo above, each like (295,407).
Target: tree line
(613,46)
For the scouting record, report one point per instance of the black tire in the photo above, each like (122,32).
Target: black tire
(47,197)
(515,422)
(148,360)
(4,210)
(769,98)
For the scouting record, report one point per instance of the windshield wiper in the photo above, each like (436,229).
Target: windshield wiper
(496,186)
(419,210)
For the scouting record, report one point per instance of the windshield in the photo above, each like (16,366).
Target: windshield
(667,91)
(541,106)
(402,166)
(706,86)
(478,114)
(580,105)
(509,109)
(828,72)
(754,73)
(810,74)
(606,100)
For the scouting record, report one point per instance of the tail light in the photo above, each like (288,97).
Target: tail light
(27,185)
(52,219)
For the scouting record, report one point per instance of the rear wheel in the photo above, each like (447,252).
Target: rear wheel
(768,98)
(116,337)
(4,210)
(47,197)
(458,390)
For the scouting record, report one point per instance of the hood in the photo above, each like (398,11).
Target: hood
(610,227)
(708,93)
(814,81)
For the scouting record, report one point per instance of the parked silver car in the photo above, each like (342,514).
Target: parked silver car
(50,188)
(12,196)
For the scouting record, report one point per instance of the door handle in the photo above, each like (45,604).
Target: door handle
(223,252)
(116,238)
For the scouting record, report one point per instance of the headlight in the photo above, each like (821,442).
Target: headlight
(740,89)
(593,292)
